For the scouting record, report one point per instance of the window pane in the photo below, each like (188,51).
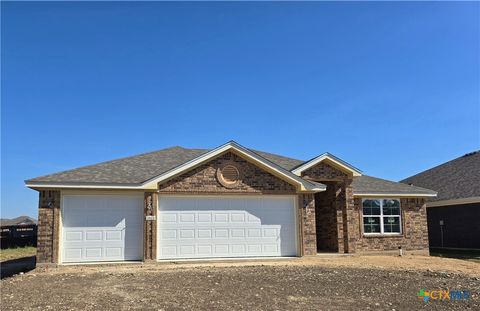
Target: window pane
(371,224)
(391,203)
(391,207)
(371,203)
(391,224)
(371,207)
(391,211)
(371,211)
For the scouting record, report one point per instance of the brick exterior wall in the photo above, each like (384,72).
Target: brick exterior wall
(48,226)
(307,232)
(333,208)
(339,217)
(323,171)
(203,179)
(414,229)
(326,219)
(150,227)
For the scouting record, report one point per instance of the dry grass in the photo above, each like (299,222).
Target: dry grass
(19,252)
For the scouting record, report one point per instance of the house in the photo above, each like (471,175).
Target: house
(227,202)
(453,216)
(19,231)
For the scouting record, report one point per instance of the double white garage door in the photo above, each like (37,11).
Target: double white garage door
(215,227)
(110,228)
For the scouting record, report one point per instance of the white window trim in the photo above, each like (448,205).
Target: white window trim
(382,233)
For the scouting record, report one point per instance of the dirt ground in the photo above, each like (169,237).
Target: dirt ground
(335,283)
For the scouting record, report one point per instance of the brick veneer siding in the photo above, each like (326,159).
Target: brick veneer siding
(414,229)
(324,171)
(334,219)
(48,226)
(150,227)
(308,231)
(326,219)
(203,179)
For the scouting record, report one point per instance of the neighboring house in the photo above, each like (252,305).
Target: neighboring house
(227,202)
(454,215)
(19,231)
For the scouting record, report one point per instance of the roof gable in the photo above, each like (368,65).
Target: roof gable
(205,178)
(331,160)
(250,156)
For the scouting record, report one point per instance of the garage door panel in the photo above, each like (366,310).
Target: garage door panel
(226,227)
(102,228)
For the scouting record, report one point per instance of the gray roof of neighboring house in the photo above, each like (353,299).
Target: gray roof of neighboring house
(143,167)
(456,179)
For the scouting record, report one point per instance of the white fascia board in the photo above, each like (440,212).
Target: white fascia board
(398,195)
(355,172)
(85,186)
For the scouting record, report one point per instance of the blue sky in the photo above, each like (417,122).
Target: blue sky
(392,88)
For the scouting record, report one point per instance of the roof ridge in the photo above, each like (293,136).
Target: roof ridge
(275,154)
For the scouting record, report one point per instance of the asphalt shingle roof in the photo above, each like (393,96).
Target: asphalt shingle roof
(130,170)
(456,179)
(367,184)
(140,168)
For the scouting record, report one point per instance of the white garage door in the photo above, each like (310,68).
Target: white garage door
(102,228)
(213,227)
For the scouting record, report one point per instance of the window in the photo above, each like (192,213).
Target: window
(381,216)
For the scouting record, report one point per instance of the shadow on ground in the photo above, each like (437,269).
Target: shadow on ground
(15,266)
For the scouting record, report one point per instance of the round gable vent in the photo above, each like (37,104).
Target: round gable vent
(228,175)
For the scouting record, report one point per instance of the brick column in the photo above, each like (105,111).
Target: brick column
(308,232)
(150,234)
(345,207)
(48,226)
(352,217)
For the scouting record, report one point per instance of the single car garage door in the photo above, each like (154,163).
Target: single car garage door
(102,228)
(215,227)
